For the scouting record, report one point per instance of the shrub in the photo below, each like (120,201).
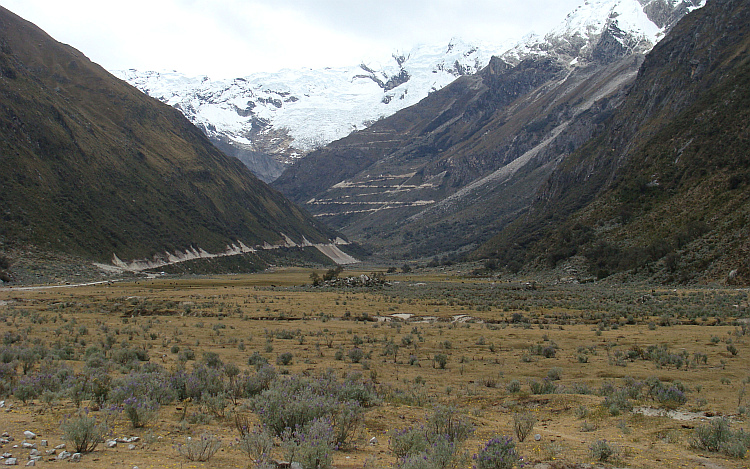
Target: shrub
(154,387)
(718,436)
(27,389)
(617,402)
(670,397)
(446,421)
(84,432)
(201,448)
(555,373)
(285,359)
(602,451)
(140,411)
(545,387)
(513,386)
(257,360)
(252,385)
(441,360)
(297,401)
(310,446)
(346,420)
(356,355)
(256,443)
(202,381)
(441,454)
(408,441)
(582,412)
(497,453)
(523,424)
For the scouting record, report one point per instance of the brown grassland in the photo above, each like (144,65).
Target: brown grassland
(575,339)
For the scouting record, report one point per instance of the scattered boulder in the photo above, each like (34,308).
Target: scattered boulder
(76,457)
(11,462)
(63,455)
(29,435)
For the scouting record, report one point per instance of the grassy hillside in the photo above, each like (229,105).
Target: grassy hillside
(663,191)
(91,166)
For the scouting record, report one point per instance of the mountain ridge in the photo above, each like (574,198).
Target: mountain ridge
(661,192)
(379,185)
(269,120)
(91,166)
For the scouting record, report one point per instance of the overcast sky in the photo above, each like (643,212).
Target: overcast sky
(230,38)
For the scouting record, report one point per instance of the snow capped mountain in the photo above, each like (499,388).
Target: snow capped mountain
(288,113)
(634,26)
(270,119)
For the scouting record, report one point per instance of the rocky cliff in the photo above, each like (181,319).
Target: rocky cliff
(661,192)
(449,172)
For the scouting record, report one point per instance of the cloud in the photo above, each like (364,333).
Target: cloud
(237,37)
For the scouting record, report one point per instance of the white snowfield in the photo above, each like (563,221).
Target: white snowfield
(316,107)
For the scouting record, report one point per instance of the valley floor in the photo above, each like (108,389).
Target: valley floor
(588,363)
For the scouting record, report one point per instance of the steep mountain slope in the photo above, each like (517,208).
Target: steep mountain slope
(662,191)
(91,166)
(268,120)
(451,171)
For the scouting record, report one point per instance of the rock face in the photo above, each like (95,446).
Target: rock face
(662,190)
(451,171)
(91,166)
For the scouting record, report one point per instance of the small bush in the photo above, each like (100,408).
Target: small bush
(671,397)
(441,360)
(356,355)
(285,359)
(199,449)
(587,426)
(718,436)
(582,412)
(545,387)
(311,446)
(513,386)
(252,385)
(602,451)
(257,360)
(555,373)
(497,453)
(257,444)
(441,454)
(446,421)
(408,441)
(140,411)
(523,424)
(84,432)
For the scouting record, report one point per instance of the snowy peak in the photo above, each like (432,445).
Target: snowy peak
(268,120)
(603,30)
(285,114)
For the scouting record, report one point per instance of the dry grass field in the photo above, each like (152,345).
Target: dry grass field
(586,363)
